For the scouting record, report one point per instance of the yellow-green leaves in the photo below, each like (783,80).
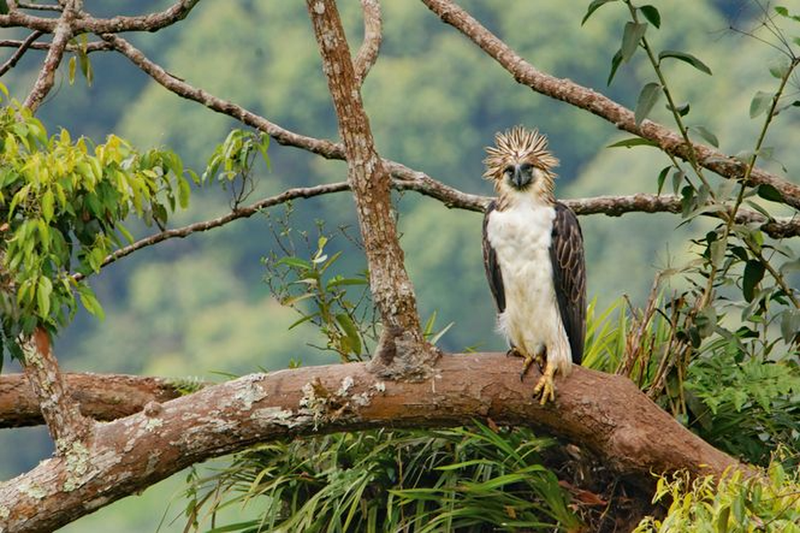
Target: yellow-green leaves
(62,202)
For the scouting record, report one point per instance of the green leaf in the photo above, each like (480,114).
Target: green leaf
(3,11)
(616,61)
(707,134)
(652,15)
(184,190)
(631,36)
(594,6)
(769,192)
(294,262)
(633,141)
(760,103)
(72,66)
(686,58)
(753,274)
(780,67)
(681,109)
(349,328)
(662,176)
(90,302)
(48,202)
(790,325)
(782,11)
(647,99)
(43,291)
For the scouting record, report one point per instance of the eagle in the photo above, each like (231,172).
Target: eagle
(534,260)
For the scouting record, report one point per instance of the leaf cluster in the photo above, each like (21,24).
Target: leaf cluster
(769,502)
(62,206)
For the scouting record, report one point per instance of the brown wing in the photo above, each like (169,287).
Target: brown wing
(493,273)
(569,277)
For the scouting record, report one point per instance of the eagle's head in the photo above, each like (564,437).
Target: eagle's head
(520,164)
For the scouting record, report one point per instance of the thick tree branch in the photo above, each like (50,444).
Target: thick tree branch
(603,413)
(401,343)
(101,397)
(67,426)
(602,106)
(373,35)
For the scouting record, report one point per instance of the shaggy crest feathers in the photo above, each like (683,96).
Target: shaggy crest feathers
(517,145)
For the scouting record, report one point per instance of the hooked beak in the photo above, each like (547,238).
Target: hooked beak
(520,178)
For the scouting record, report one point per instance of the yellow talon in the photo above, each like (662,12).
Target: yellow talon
(545,386)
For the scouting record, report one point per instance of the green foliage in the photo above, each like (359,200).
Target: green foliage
(439,480)
(748,408)
(62,203)
(344,321)
(232,162)
(769,502)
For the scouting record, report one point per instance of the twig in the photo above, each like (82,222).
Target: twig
(97,46)
(39,7)
(23,47)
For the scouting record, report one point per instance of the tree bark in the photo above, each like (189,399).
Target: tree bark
(605,414)
(402,350)
(99,396)
(68,428)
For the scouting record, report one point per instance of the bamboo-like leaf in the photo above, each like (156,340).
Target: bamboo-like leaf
(707,134)
(594,6)
(633,141)
(686,58)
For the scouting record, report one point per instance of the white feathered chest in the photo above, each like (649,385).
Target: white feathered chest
(521,236)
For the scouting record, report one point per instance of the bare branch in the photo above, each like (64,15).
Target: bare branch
(373,35)
(602,106)
(151,22)
(102,397)
(242,212)
(17,55)
(409,180)
(97,46)
(39,7)
(47,75)
(620,425)
(324,148)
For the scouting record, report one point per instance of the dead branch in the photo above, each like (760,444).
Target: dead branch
(605,414)
(602,106)
(101,397)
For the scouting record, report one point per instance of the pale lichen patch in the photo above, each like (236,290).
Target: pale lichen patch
(33,490)
(152,424)
(250,393)
(347,384)
(4,512)
(77,462)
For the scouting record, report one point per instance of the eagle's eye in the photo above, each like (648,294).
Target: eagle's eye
(508,171)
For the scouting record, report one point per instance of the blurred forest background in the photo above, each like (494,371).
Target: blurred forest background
(200,306)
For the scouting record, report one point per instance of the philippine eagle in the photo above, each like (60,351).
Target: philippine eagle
(533,254)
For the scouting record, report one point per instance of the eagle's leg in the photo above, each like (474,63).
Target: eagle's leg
(538,356)
(545,387)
